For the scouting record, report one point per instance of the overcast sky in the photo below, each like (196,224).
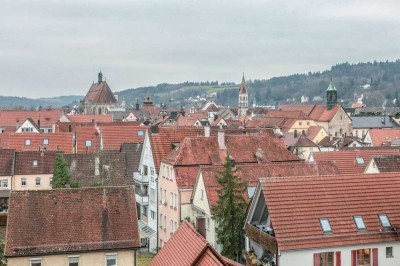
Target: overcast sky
(50,48)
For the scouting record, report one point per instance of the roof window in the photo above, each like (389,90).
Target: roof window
(45,142)
(27,142)
(34,163)
(325,225)
(140,133)
(88,143)
(360,160)
(384,220)
(359,222)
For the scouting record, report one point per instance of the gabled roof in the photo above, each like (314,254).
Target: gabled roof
(106,168)
(71,220)
(388,163)
(295,205)
(297,114)
(10,118)
(187,247)
(346,160)
(114,136)
(100,93)
(313,131)
(56,141)
(185,176)
(381,137)
(162,141)
(316,112)
(183,121)
(24,162)
(243,149)
(6,162)
(253,172)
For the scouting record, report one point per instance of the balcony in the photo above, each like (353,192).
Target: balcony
(264,239)
(139,177)
(142,199)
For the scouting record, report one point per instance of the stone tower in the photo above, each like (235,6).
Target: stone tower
(243,98)
(331,96)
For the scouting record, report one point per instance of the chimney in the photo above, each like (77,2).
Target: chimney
(38,124)
(221,138)
(17,126)
(207,131)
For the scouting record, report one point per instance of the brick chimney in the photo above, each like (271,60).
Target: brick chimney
(221,138)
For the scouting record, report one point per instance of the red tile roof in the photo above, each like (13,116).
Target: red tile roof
(183,121)
(388,163)
(252,173)
(90,118)
(243,149)
(187,247)
(100,93)
(315,112)
(382,137)
(296,204)
(10,118)
(87,133)
(24,162)
(57,141)
(313,131)
(114,136)
(162,142)
(72,220)
(186,176)
(346,159)
(6,162)
(287,114)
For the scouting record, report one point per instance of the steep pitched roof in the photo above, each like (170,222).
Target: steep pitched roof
(253,172)
(187,247)
(243,149)
(316,112)
(381,137)
(346,160)
(185,176)
(56,141)
(44,162)
(100,93)
(72,220)
(132,152)
(243,86)
(10,118)
(296,204)
(107,168)
(6,162)
(162,142)
(296,114)
(388,163)
(84,136)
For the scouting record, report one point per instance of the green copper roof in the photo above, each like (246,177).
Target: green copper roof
(331,87)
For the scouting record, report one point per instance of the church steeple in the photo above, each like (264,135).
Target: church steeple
(243,97)
(331,96)
(100,77)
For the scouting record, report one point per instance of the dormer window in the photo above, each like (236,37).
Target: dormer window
(360,160)
(359,223)
(325,225)
(384,220)
(45,142)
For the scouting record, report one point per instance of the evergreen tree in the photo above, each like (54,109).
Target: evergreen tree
(61,175)
(229,211)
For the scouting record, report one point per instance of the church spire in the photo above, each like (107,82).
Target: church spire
(331,96)
(100,77)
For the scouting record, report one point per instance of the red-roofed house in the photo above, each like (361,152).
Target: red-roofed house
(112,137)
(326,220)
(188,248)
(383,137)
(87,118)
(178,170)
(90,226)
(205,192)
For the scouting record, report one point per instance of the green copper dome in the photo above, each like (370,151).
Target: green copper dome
(331,87)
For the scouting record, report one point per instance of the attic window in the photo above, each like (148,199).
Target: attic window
(359,223)
(384,220)
(27,142)
(45,141)
(140,133)
(325,225)
(88,143)
(360,160)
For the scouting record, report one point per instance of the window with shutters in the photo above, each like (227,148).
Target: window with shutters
(389,252)
(364,257)
(324,259)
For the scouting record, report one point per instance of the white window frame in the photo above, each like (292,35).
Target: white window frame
(325,225)
(384,215)
(45,142)
(26,182)
(40,181)
(5,183)
(36,260)
(109,255)
(72,257)
(27,142)
(34,163)
(359,221)
(88,143)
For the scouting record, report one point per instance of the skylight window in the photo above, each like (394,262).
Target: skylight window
(45,141)
(360,160)
(384,220)
(359,223)
(325,225)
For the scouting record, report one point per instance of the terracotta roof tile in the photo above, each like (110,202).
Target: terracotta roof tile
(90,118)
(56,141)
(388,163)
(10,118)
(72,220)
(346,159)
(297,114)
(100,93)
(187,247)
(114,136)
(296,204)
(6,162)
(382,137)
(315,112)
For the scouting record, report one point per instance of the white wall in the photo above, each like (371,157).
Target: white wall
(306,257)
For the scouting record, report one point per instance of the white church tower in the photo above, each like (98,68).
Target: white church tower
(243,98)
